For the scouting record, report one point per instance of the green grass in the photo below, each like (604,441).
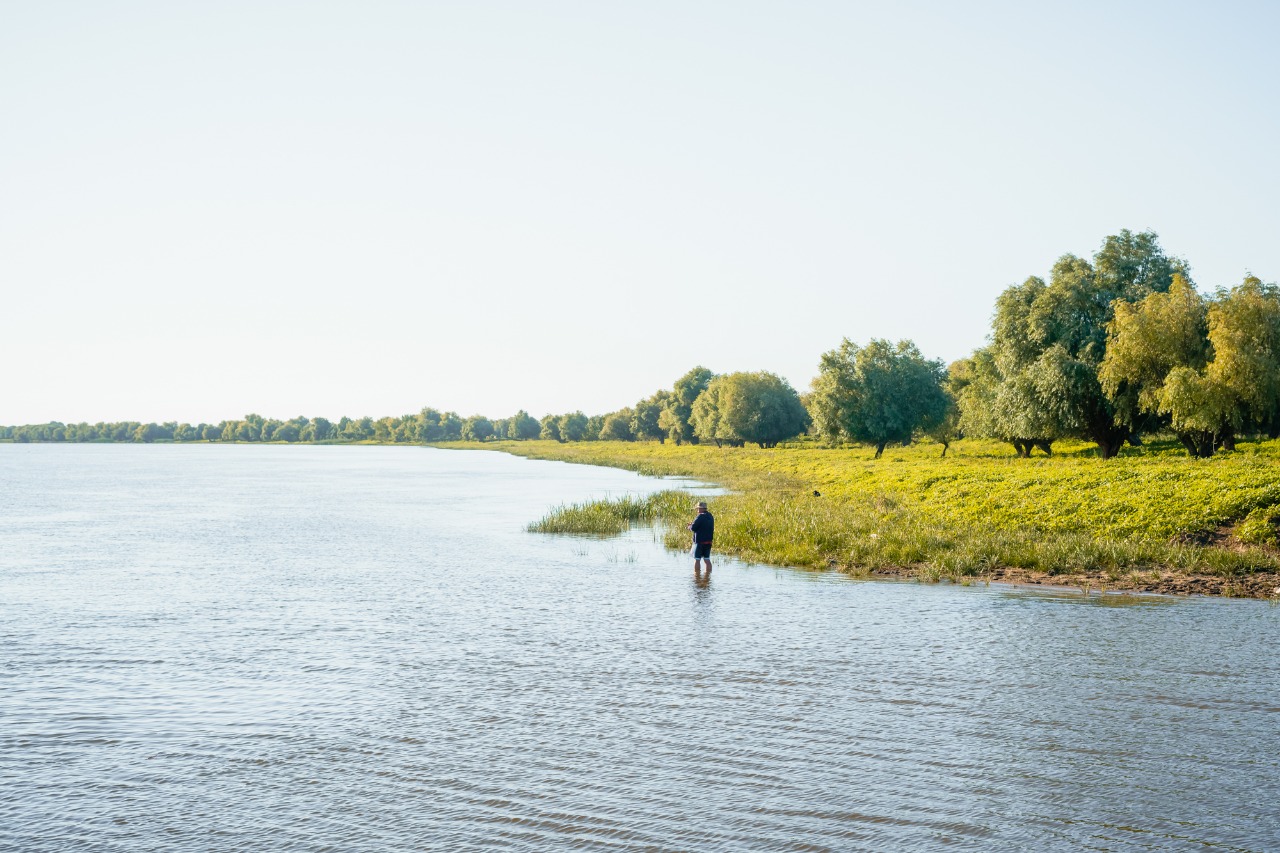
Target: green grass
(609,517)
(978,510)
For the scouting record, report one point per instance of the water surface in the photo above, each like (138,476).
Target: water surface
(360,648)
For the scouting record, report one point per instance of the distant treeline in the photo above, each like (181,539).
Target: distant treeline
(1107,350)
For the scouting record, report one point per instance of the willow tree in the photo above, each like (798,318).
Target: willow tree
(877,394)
(550,429)
(946,428)
(993,405)
(1210,367)
(1157,350)
(617,426)
(477,428)
(1048,340)
(573,427)
(676,417)
(522,426)
(646,418)
(1244,331)
(758,407)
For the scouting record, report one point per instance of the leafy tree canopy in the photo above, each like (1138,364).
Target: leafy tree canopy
(758,407)
(877,394)
(676,418)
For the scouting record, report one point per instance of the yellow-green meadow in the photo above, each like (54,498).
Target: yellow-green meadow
(1151,519)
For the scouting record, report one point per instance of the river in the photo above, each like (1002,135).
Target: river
(207,647)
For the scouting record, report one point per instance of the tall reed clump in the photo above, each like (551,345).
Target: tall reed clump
(610,516)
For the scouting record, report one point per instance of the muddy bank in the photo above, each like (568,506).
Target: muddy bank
(1265,585)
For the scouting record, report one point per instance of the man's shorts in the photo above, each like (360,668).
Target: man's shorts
(702,551)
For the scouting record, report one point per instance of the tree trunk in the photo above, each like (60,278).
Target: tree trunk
(1044,444)
(880,449)
(1109,438)
(945,445)
(1188,443)
(1199,445)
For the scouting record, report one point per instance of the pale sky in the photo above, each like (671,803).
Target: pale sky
(364,208)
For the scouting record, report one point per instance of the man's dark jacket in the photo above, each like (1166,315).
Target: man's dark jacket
(704,528)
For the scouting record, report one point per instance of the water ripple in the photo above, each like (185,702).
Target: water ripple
(349,649)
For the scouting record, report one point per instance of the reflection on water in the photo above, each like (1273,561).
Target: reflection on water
(1092,598)
(259,648)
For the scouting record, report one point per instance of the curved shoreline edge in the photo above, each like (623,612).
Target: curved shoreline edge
(802,508)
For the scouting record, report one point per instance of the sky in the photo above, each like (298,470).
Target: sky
(364,208)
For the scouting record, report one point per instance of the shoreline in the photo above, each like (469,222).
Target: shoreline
(1262,585)
(1247,572)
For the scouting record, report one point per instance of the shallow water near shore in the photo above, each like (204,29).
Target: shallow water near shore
(361,648)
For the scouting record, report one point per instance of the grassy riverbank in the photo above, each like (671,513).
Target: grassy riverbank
(1152,519)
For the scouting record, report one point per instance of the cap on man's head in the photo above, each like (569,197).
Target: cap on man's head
(700,505)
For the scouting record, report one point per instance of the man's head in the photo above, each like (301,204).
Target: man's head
(701,506)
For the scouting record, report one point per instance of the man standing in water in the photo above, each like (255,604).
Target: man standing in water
(704,528)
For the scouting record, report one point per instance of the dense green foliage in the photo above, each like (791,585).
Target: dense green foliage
(1209,367)
(756,407)
(677,415)
(1038,380)
(878,394)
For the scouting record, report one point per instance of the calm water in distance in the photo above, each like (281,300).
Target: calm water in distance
(361,649)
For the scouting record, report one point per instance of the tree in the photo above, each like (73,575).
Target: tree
(429,427)
(477,428)
(617,426)
(705,418)
(522,426)
(1244,331)
(994,406)
(676,417)
(1201,411)
(573,426)
(450,427)
(252,427)
(1211,367)
(144,432)
(1048,341)
(877,394)
(757,407)
(646,419)
(1147,342)
(550,430)
(946,427)
(358,430)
